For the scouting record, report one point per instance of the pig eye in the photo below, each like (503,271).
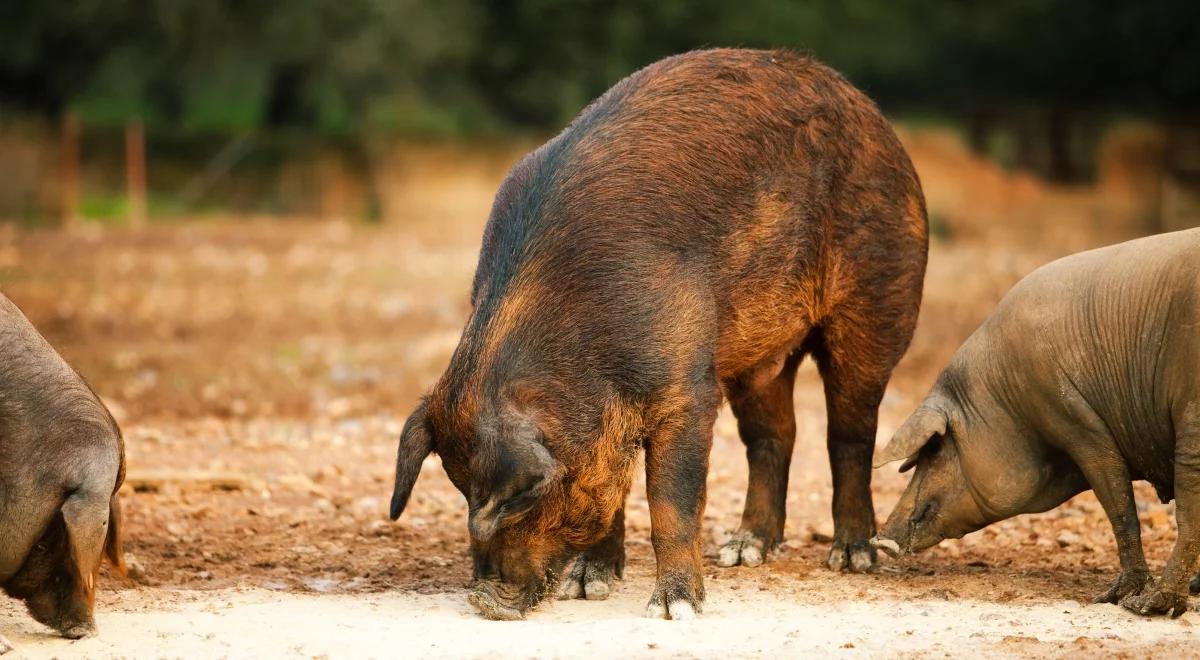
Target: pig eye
(924,513)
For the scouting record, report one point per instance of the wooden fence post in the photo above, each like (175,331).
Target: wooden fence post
(69,170)
(135,172)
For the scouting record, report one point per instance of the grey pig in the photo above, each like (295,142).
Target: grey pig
(1087,375)
(62,461)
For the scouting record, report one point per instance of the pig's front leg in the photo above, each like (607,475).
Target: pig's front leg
(1115,492)
(1170,595)
(1093,450)
(676,469)
(592,575)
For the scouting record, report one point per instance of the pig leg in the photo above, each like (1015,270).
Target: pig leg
(592,575)
(1092,449)
(1115,492)
(676,469)
(852,397)
(1170,595)
(767,425)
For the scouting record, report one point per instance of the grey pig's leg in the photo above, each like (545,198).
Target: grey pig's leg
(1095,453)
(1170,595)
(1114,489)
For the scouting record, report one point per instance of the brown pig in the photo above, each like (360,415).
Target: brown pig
(1087,376)
(61,462)
(694,234)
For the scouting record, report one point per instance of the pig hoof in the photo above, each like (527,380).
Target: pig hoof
(674,600)
(858,557)
(590,579)
(744,548)
(1156,602)
(1127,584)
(679,610)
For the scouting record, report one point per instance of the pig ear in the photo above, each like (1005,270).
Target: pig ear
(523,471)
(922,426)
(87,520)
(415,444)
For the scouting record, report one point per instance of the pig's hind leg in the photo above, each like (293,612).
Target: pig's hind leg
(594,570)
(767,425)
(855,367)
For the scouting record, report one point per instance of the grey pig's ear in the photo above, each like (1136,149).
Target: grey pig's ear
(920,428)
(415,445)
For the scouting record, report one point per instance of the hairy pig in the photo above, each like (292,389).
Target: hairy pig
(694,234)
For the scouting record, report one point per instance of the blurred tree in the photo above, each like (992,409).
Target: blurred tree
(459,65)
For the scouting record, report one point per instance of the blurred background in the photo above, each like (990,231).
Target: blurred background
(114,110)
(252,226)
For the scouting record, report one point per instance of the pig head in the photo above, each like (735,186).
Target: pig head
(538,491)
(975,465)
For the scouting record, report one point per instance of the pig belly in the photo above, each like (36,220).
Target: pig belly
(761,333)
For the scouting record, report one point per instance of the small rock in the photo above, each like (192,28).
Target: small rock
(1068,538)
(134,567)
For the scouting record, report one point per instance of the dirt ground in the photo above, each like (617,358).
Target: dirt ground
(283,357)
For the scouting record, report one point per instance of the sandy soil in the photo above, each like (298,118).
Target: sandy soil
(288,354)
(739,622)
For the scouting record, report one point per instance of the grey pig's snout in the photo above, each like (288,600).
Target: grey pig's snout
(887,545)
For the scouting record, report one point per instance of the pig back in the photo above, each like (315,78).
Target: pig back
(1116,329)
(50,420)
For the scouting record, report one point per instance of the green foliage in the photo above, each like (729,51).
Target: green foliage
(456,66)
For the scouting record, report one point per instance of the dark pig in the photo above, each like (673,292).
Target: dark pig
(1087,375)
(694,234)
(62,461)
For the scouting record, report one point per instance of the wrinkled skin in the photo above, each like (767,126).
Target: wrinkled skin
(61,464)
(1085,377)
(692,236)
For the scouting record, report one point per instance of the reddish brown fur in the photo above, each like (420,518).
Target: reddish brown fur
(694,233)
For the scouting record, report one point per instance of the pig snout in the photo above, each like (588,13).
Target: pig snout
(891,547)
(496,600)
(508,584)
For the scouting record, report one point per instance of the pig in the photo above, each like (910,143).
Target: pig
(62,460)
(1087,375)
(689,238)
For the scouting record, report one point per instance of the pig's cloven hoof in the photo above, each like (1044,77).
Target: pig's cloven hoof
(857,556)
(675,602)
(589,578)
(744,548)
(1128,584)
(1156,601)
